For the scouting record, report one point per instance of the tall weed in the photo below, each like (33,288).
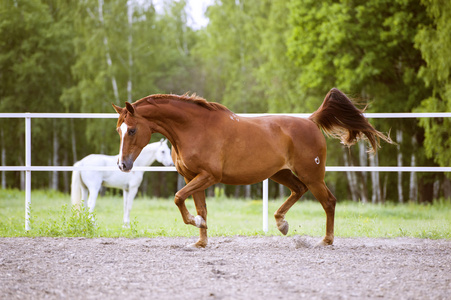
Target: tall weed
(76,222)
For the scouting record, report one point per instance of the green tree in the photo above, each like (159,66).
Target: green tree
(434,42)
(35,56)
(363,47)
(35,59)
(366,49)
(277,75)
(175,66)
(230,55)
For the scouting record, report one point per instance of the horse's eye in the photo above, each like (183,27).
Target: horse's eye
(131,131)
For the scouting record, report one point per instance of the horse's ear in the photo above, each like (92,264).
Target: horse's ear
(118,109)
(129,108)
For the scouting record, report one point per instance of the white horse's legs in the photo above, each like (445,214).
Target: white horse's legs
(93,193)
(126,218)
(128,202)
(84,195)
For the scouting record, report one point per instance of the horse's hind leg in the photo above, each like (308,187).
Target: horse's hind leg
(288,179)
(327,200)
(93,193)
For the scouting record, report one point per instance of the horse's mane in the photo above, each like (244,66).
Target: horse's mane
(193,98)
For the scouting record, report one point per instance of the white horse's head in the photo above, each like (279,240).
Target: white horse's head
(163,154)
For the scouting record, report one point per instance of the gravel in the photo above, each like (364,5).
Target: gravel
(238,267)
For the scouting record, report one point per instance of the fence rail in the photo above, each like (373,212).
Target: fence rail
(28,168)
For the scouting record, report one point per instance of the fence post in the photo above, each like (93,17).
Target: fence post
(265,205)
(28,171)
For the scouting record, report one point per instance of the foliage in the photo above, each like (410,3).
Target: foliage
(35,56)
(336,43)
(79,223)
(264,56)
(434,42)
(230,56)
(35,60)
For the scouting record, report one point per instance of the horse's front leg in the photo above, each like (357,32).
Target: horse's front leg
(129,196)
(195,187)
(201,208)
(126,218)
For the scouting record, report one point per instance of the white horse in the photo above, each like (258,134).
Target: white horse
(91,181)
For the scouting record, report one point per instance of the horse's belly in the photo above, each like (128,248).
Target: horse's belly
(118,180)
(250,174)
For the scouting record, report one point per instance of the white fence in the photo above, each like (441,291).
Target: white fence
(28,168)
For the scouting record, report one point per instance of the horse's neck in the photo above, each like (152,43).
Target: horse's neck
(175,118)
(146,157)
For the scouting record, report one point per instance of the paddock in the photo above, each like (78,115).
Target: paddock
(28,168)
(238,267)
(233,267)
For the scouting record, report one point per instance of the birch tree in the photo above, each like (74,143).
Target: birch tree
(399,160)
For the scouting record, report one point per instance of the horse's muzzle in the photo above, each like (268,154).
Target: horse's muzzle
(125,166)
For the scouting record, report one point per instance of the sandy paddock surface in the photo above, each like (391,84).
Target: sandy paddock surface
(229,268)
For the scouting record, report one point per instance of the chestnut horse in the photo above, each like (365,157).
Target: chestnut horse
(211,144)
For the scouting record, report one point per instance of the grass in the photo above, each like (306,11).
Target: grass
(51,215)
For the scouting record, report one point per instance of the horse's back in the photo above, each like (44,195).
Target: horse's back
(285,131)
(259,147)
(98,160)
(96,178)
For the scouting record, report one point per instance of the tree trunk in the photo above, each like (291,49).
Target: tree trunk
(352,180)
(180,182)
(22,180)
(163,183)
(376,192)
(363,184)
(130,47)
(363,160)
(55,182)
(237,191)
(446,188)
(50,174)
(74,141)
(3,157)
(399,141)
(107,54)
(413,194)
(436,190)
(384,189)
(247,192)
(66,174)
(145,185)
(281,191)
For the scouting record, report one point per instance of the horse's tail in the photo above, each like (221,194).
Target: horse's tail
(339,118)
(76,187)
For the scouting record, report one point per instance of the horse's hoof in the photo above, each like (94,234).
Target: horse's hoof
(284,227)
(195,246)
(200,222)
(325,242)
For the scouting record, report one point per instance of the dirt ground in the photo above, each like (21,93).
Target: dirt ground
(229,268)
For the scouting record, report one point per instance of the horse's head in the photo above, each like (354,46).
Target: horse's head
(134,134)
(163,154)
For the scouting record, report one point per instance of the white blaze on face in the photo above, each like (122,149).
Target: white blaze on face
(123,129)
